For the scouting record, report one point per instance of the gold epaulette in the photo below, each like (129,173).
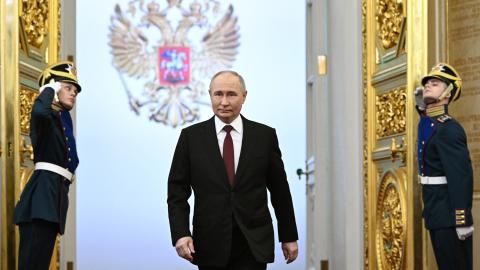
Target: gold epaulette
(444,118)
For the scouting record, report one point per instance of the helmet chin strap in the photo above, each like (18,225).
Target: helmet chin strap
(445,92)
(443,95)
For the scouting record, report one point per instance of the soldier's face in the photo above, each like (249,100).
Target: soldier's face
(433,89)
(67,95)
(227,96)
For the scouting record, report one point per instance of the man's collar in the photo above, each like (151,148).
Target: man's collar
(437,111)
(237,124)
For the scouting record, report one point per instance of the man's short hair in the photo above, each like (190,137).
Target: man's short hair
(234,73)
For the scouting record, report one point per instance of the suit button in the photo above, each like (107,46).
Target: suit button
(69,159)
(432,125)
(66,138)
(423,142)
(68,148)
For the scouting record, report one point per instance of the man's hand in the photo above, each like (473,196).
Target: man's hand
(290,251)
(419,99)
(464,232)
(184,247)
(55,85)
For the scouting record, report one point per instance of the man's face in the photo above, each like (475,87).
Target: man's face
(67,95)
(227,96)
(433,89)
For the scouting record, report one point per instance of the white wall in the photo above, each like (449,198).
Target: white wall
(122,220)
(345,86)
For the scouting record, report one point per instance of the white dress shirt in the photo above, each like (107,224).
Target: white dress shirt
(236,133)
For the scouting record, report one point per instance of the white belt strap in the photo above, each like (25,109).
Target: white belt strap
(433,180)
(54,168)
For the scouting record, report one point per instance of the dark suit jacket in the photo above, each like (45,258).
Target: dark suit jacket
(46,194)
(443,151)
(198,165)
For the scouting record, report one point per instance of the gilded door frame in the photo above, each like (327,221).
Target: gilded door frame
(26,47)
(377,150)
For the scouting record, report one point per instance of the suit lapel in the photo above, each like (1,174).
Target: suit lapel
(213,151)
(247,146)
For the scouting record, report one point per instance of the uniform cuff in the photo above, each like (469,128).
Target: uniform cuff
(460,217)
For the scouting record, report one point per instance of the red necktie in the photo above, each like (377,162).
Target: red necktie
(228,159)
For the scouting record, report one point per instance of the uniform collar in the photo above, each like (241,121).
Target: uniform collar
(237,124)
(437,111)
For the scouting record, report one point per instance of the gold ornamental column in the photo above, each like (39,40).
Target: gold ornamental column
(394,59)
(29,42)
(417,63)
(9,78)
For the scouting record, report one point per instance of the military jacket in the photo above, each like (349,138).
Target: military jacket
(443,151)
(45,196)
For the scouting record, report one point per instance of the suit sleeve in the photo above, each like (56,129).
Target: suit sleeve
(455,158)
(179,190)
(42,107)
(280,195)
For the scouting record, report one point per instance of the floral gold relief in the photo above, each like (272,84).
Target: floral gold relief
(34,15)
(365,136)
(27,98)
(391,112)
(389,17)
(391,225)
(25,174)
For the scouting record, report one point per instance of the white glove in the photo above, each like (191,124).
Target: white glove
(55,85)
(419,99)
(464,232)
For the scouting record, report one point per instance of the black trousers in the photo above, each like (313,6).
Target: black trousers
(37,240)
(241,257)
(451,253)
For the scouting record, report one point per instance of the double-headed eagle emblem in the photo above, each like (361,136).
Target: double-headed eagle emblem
(165,55)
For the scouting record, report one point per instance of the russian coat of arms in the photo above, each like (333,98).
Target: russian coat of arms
(165,54)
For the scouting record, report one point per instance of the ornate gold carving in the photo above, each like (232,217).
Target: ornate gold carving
(365,137)
(27,98)
(25,149)
(34,17)
(391,225)
(389,17)
(59,27)
(398,150)
(25,174)
(391,112)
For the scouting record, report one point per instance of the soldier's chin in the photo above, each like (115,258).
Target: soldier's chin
(67,106)
(429,100)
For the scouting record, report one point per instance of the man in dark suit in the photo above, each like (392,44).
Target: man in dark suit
(42,208)
(445,170)
(229,162)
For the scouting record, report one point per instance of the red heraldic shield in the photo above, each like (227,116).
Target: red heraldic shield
(174,66)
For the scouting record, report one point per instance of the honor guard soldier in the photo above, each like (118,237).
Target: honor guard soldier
(42,208)
(445,170)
